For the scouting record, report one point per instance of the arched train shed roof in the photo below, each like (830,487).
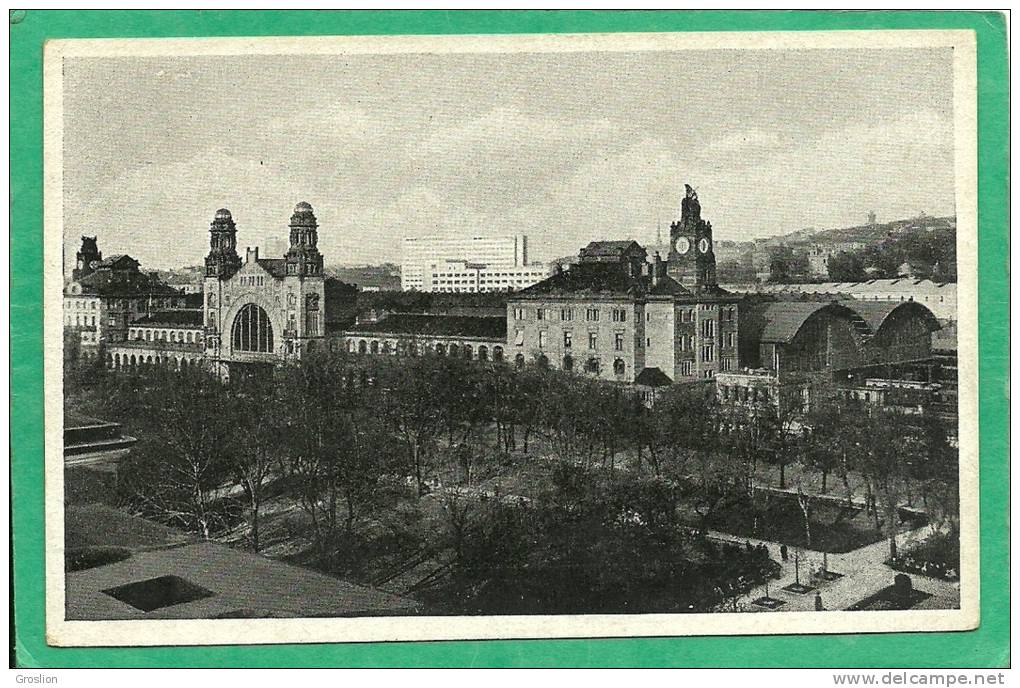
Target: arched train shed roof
(877,313)
(782,320)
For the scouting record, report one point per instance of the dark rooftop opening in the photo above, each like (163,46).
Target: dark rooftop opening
(156,593)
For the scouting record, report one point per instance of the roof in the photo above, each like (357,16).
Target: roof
(111,261)
(652,377)
(610,248)
(231,582)
(780,321)
(436,326)
(875,313)
(906,285)
(783,319)
(277,267)
(602,279)
(109,284)
(174,318)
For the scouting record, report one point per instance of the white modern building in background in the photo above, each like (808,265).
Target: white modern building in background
(468,264)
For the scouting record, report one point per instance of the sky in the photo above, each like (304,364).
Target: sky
(563,147)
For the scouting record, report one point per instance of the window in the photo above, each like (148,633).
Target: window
(519,361)
(728,339)
(497,353)
(592,315)
(519,337)
(518,313)
(726,364)
(566,314)
(708,353)
(483,353)
(541,339)
(252,330)
(540,313)
(708,329)
(568,339)
(648,342)
(593,340)
(592,366)
(619,315)
(619,367)
(618,341)
(568,362)
(686,367)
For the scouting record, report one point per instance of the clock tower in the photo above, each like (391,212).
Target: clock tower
(691,254)
(87,258)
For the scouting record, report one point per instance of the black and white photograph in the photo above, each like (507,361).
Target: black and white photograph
(416,338)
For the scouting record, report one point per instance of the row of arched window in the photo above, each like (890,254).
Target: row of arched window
(175,336)
(403,347)
(592,365)
(116,361)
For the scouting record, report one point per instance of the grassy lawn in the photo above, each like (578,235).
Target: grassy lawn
(776,516)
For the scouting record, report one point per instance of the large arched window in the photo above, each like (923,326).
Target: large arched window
(619,367)
(252,330)
(483,353)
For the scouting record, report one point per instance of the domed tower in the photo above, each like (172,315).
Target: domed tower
(222,261)
(691,251)
(303,257)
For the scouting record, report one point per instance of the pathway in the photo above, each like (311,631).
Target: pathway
(864,573)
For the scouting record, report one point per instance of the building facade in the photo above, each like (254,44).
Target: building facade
(262,310)
(172,338)
(417,334)
(104,296)
(614,315)
(425,260)
(463,278)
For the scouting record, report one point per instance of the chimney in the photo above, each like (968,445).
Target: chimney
(656,269)
(251,254)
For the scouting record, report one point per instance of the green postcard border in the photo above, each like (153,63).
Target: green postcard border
(988,646)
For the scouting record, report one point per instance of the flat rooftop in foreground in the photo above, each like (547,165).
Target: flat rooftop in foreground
(171,576)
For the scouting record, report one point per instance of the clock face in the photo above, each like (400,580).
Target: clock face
(682,245)
(703,245)
(93,263)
